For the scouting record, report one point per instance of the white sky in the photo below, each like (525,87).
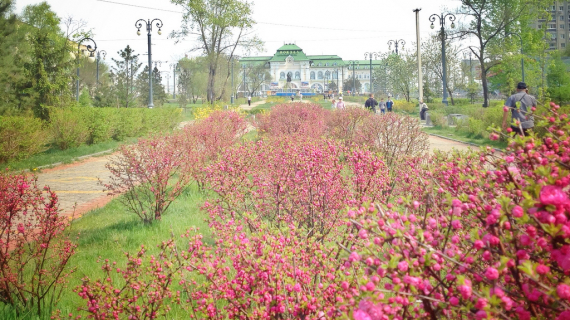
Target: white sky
(367,25)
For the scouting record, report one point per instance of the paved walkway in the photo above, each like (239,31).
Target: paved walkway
(253,105)
(77,185)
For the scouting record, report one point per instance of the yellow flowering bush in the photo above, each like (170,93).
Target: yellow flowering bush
(205,111)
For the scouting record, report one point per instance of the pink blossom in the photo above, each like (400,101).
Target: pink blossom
(403,266)
(562,257)
(361,315)
(563,291)
(553,195)
(518,212)
(492,274)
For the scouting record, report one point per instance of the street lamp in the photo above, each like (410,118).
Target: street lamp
(354,63)
(244,67)
(89,52)
(375,55)
(175,68)
(395,43)
(167,76)
(99,54)
(522,57)
(148,23)
(233,88)
(442,19)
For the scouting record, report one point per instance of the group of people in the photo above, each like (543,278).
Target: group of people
(371,104)
(339,104)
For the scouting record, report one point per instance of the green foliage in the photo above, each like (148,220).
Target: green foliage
(438,118)
(558,79)
(192,80)
(120,93)
(21,137)
(68,128)
(158,93)
(85,99)
(350,83)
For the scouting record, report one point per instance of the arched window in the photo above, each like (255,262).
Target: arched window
(297,75)
(335,75)
(334,64)
(327,75)
(326,64)
(320,75)
(312,75)
(282,76)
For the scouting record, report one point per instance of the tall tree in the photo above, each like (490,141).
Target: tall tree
(558,79)
(401,73)
(192,80)
(489,21)
(352,84)
(158,92)
(123,75)
(256,76)
(221,27)
(48,72)
(431,52)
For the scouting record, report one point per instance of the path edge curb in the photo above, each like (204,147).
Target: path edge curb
(464,142)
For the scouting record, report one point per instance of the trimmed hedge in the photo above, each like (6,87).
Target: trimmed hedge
(22,137)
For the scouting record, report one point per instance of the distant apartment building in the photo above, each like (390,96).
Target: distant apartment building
(558,27)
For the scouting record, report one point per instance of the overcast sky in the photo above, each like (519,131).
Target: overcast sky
(342,27)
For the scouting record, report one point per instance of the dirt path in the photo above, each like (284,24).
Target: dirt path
(253,105)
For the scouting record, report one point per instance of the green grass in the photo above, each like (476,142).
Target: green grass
(465,137)
(55,155)
(109,232)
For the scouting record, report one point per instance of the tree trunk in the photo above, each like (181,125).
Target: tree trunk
(484,83)
(211,83)
(450,94)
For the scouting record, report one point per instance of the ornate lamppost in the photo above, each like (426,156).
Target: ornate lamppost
(99,54)
(167,76)
(353,63)
(470,55)
(522,57)
(90,53)
(442,19)
(395,43)
(371,55)
(148,23)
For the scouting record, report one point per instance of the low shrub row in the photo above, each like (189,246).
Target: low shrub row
(21,137)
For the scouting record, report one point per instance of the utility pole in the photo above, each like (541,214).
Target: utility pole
(418,50)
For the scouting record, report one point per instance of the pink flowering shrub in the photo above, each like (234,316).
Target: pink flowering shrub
(307,120)
(487,238)
(395,137)
(344,124)
(34,249)
(150,175)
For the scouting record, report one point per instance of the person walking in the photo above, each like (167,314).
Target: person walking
(292,97)
(371,103)
(340,105)
(249,101)
(520,104)
(389,104)
(382,106)
(333,106)
(424,108)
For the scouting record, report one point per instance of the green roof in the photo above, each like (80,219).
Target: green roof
(289,47)
(289,50)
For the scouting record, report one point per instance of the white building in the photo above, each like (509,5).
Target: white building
(310,73)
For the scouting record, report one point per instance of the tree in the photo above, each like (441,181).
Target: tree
(122,76)
(48,71)
(221,26)
(558,79)
(431,52)
(401,73)
(256,76)
(192,80)
(489,21)
(352,84)
(158,92)
(12,47)
(332,86)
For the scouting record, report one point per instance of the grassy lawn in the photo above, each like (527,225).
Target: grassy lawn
(465,137)
(109,232)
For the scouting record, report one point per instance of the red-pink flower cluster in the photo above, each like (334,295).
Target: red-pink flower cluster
(34,250)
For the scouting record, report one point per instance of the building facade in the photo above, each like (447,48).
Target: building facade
(309,73)
(558,26)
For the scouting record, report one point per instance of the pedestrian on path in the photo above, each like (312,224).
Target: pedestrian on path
(382,106)
(371,103)
(300,96)
(292,97)
(389,104)
(249,101)
(340,105)
(424,108)
(520,105)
